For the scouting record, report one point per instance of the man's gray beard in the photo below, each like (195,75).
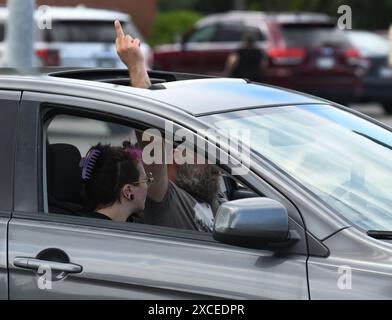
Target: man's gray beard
(203,186)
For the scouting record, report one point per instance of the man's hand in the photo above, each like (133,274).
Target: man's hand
(128,49)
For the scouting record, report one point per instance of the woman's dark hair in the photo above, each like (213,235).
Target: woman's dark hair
(114,168)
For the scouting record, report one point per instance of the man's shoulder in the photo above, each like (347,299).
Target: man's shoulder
(175,189)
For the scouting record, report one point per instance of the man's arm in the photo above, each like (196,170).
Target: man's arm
(128,49)
(230,64)
(131,55)
(157,191)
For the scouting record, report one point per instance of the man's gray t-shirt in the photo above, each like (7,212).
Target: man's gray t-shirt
(180,210)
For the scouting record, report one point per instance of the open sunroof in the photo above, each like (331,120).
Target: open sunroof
(121,76)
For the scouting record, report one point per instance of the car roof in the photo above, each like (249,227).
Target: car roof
(78,13)
(195,95)
(210,96)
(363,31)
(279,17)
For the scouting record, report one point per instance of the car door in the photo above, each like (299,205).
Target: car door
(9,101)
(56,256)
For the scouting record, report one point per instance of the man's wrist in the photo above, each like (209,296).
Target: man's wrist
(137,67)
(139,77)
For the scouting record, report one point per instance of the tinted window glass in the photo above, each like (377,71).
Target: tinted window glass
(313,36)
(204,34)
(236,33)
(2,32)
(230,32)
(86,31)
(8,109)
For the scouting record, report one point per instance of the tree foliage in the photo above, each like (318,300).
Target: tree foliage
(170,23)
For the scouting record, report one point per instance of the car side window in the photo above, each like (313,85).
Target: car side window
(191,201)
(230,33)
(68,139)
(236,32)
(204,34)
(84,132)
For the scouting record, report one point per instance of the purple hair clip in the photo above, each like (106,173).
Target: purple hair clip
(135,153)
(88,162)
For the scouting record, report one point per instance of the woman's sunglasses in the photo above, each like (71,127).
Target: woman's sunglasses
(149,179)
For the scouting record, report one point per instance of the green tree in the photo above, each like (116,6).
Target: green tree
(170,23)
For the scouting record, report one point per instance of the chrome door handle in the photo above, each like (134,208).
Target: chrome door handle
(35,264)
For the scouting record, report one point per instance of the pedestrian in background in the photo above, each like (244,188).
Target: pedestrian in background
(248,61)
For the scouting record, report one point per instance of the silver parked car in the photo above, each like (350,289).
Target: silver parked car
(310,219)
(78,37)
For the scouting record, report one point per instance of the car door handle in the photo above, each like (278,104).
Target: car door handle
(35,264)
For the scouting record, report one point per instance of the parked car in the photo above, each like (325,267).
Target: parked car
(376,80)
(79,37)
(310,219)
(306,51)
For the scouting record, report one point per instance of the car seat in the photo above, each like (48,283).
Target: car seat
(64,179)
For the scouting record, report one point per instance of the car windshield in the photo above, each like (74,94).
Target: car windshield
(341,158)
(369,44)
(86,31)
(313,36)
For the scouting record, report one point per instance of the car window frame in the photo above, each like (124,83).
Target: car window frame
(34,103)
(9,128)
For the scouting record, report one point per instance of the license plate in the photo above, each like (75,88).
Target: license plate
(386,72)
(325,63)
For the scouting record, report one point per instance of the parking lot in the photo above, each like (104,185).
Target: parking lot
(194,151)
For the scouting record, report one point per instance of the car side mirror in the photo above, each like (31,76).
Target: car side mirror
(256,223)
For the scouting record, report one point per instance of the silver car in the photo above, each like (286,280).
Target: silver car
(311,218)
(77,37)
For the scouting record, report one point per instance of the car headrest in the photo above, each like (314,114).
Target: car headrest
(64,176)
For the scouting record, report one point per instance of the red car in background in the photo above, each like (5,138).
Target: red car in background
(306,51)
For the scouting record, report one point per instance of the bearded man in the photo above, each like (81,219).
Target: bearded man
(190,202)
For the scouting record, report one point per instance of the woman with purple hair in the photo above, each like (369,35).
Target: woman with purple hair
(115,182)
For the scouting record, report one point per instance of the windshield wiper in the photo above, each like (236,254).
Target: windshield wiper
(381,235)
